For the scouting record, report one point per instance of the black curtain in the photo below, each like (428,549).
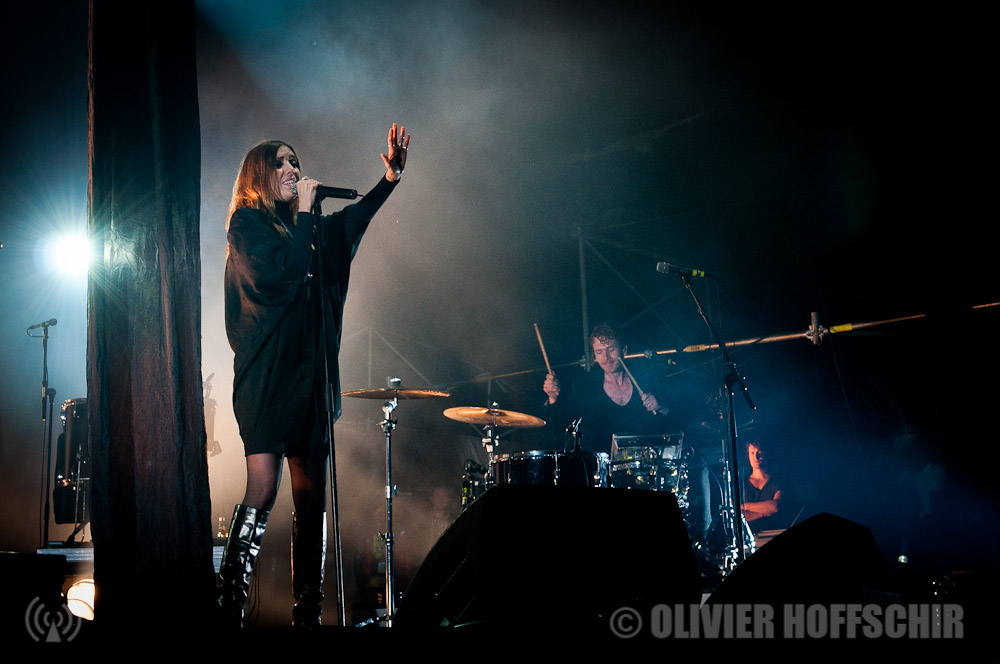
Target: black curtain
(151,512)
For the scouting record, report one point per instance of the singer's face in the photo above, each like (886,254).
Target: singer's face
(286,174)
(606,354)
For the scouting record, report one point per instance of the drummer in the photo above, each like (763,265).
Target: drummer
(609,402)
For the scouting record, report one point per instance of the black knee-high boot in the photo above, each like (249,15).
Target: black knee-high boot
(238,560)
(308,562)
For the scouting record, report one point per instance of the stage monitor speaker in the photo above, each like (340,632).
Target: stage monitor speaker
(823,560)
(550,556)
(32,595)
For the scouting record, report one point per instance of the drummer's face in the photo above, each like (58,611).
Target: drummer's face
(607,353)
(756,456)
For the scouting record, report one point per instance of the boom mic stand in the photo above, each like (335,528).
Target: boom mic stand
(733,498)
(328,393)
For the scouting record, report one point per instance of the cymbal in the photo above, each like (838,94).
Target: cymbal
(494,416)
(389,393)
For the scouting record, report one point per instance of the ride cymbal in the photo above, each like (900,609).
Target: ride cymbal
(492,416)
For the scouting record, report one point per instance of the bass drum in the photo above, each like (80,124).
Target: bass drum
(551,468)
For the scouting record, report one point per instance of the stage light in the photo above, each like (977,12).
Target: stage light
(70,254)
(80,599)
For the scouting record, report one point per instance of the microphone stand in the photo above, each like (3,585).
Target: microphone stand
(328,406)
(48,397)
(733,510)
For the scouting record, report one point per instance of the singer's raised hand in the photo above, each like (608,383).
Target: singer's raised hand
(395,160)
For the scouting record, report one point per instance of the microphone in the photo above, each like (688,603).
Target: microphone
(473,467)
(330,192)
(50,322)
(667,268)
(335,192)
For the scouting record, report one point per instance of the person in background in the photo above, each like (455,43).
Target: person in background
(762,493)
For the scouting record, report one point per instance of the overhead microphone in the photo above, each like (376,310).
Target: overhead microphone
(49,323)
(667,268)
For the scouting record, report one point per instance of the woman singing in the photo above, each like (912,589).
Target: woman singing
(274,318)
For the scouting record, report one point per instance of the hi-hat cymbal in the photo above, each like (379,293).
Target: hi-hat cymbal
(492,416)
(389,393)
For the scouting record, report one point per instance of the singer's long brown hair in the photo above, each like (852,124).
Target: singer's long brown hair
(254,186)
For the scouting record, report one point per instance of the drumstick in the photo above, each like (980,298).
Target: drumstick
(641,393)
(538,334)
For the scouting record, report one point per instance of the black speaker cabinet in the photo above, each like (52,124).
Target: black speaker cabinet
(32,598)
(823,560)
(550,556)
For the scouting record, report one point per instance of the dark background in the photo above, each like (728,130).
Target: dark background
(829,160)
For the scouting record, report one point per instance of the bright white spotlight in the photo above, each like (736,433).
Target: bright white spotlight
(80,599)
(70,254)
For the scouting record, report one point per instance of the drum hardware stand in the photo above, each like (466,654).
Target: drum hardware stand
(574,430)
(474,477)
(81,496)
(732,496)
(393,393)
(491,440)
(388,425)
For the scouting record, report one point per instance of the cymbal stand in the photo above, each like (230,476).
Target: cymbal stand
(490,441)
(388,425)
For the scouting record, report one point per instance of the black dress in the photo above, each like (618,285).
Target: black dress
(273,319)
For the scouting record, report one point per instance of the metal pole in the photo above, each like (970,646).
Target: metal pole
(583,299)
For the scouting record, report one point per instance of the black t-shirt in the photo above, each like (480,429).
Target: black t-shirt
(601,418)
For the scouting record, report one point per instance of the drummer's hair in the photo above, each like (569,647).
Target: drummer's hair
(605,333)
(764,449)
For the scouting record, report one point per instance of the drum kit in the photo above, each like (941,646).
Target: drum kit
(653,463)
